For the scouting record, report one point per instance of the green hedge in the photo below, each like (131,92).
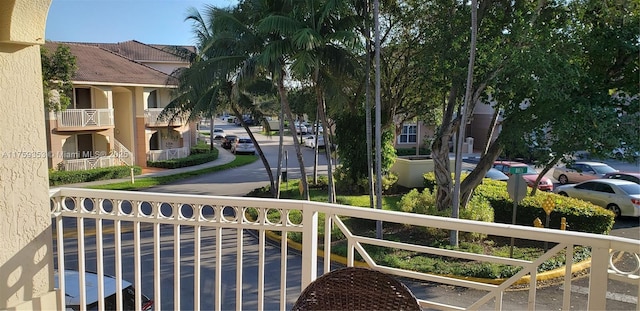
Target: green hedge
(202,148)
(194,159)
(401,152)
(57,178)
(580,215)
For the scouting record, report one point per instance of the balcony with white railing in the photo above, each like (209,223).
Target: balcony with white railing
(153,118)
(167,154)
(84,119)
(90,163)
(205,253)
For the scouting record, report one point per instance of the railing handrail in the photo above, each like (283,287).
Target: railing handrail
(88,163)
(601,245)
(85,117)
(522,232)
(168,154)
(122,153)
(152,116)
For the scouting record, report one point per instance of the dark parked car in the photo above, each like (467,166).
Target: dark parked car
(247,121)
(634,177)
(228,141)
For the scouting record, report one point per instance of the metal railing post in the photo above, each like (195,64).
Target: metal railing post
(309,245)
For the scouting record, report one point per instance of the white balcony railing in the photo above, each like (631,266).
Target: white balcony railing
(202,252)
(82,118)
(167,154)
(152,118)
(90,163)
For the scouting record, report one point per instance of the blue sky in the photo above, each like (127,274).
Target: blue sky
(110,21)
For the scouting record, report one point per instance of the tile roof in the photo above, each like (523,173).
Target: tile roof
(97,64)
(139,51)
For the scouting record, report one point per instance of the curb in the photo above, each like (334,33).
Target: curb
(544,276)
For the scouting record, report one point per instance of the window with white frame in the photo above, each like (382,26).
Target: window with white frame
(408,134)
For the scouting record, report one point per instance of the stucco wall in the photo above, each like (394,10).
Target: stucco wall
(26,259)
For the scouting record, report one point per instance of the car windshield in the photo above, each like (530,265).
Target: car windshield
(630,188)
(602,169)
(244,141)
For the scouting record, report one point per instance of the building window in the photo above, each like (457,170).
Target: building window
(82,98)
(152,100)
(408,134)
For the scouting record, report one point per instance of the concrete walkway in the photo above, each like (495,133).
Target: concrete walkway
(224,157)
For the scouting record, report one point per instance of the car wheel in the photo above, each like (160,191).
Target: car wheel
(615,209)
(618,155)
(564,194)
(563,179)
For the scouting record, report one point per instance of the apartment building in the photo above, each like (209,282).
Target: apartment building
(119,92)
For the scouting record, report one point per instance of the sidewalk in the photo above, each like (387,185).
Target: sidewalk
(224,157)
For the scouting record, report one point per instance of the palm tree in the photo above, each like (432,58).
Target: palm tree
(223,71)
(321,45)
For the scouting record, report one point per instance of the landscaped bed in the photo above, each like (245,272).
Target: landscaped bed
(438,238)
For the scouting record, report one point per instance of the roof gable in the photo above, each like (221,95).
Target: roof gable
(96,64)
(139,51)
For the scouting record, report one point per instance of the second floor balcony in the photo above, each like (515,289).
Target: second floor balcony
(153,118)
(193,252)
(84,119)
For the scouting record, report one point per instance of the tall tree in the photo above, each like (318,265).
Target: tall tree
(224,71)
(58,69)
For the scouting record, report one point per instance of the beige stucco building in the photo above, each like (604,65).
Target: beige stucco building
(26,259)
(119,91)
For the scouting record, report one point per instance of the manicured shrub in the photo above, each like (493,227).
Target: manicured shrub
(401,152)
(425,203)
(580,215)
(346,185)
(194,159)
(202,148)
(57,178)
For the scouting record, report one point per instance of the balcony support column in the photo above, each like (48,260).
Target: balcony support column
(598,279)
(309,246)
(26,259)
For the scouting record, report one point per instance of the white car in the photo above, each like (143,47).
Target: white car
(581,171)
(310,141)
(72,292)
(218,133)
(301,129)
(619,196)
(243,145)
(315,129)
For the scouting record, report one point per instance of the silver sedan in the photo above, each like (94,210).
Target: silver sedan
(619,196)
(581,171)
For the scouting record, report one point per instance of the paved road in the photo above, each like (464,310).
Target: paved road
(242,180)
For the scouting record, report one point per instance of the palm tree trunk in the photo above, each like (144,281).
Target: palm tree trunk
(368,111)
(267,167)
(211,132)
(455,210)
(280,148)
(315,148)
(327,150)
(303,174)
